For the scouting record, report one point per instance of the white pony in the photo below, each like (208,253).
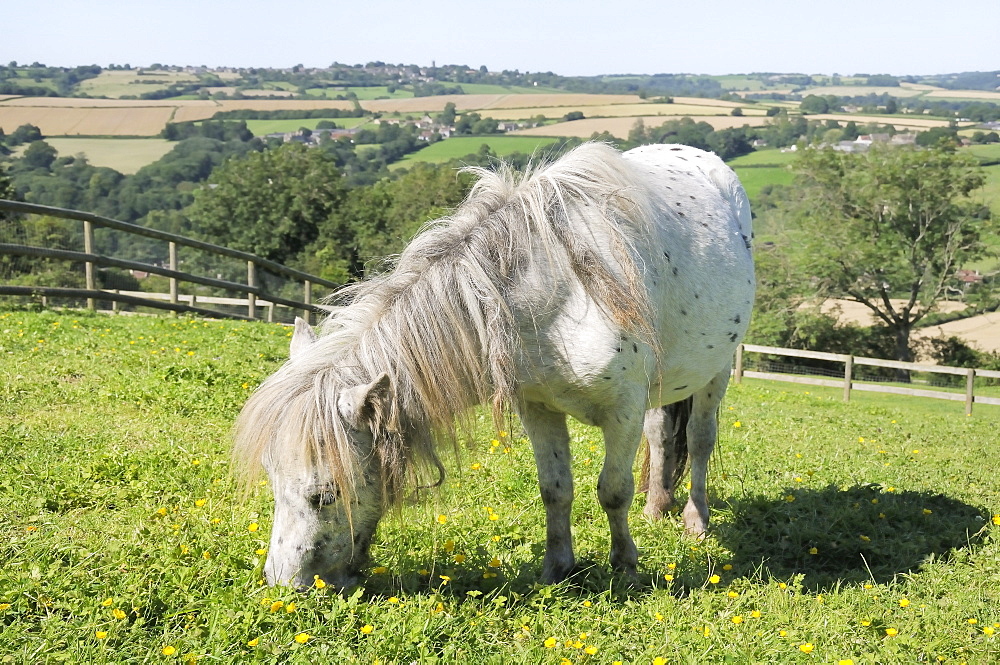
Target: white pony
(603,285)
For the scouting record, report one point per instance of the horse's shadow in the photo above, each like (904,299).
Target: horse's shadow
(832,537)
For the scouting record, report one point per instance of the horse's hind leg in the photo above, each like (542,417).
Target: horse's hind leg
(550,442)
(702,431)
(616,485)
(665,428)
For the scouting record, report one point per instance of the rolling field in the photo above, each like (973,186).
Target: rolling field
(488,103)
(617,110)
(362,92)
(262,127)
(863,531)
(620,127)
(119,83)
(123,155)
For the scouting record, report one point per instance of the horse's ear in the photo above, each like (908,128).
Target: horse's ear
(359,404)
(302,337)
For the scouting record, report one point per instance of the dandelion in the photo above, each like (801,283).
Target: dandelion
(903,602)
(733,594)
(261,551)
(162,512)
(206,555)
(891,632)
(441,519)
(659,660)
(927,511)
(101,634)
(806,648)
(494,563)
(302,638)
(755,614)
(587,603)
(459,558)
(277,605)
(252,527)
(988,631)
(444,579)
(737,619)
(169,650)
(201,502)
(668,577)
(195,462)
(289,608)
(714,579)
(737,424)
(845,661)
(866,623)
(108,602)
(726,567)
(973,622)
(672,566)
(550,643)
(590,650)
(658,616)
(476,467)
(382,570)
(996,520)
(367,629)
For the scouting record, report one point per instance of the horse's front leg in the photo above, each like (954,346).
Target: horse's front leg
(702,432)
(616,485)
(550,442)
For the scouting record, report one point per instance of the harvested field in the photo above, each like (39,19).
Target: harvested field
(187,113)
(229,90)
(492,102)
(982,332)
(862,90)
(620,126)
(123,155)
(985,95)
(55,121)
(82,102)
(897,121)
(616,110)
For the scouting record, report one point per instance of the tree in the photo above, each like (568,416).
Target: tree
(270,203)
(887,228)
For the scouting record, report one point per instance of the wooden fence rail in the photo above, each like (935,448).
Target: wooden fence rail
(252,292)
(849,382)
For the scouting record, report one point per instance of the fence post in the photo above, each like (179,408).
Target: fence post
(251,297)
(307,299)
(88,247)
(172,249)
(970,384)
(848,377)
(738,365)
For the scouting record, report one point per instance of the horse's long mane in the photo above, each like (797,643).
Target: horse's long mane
(443,323)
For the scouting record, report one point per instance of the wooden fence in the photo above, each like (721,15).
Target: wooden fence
(849,381)
(252,295)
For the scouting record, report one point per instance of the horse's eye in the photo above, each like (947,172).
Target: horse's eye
(324,498)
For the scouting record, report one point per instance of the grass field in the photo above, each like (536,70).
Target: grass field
(123,155)
(862,531)
(767,157)
(460,146)
(362,92)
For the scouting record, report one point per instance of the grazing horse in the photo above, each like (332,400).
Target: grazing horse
(612,287)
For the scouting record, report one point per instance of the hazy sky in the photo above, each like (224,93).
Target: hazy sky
(582,37)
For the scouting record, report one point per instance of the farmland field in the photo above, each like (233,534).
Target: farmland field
(362,92)
(123,155)
(486,103)
(453,148)
(616,110)
(118,83)
(620,127)
(862,531)
(262,127)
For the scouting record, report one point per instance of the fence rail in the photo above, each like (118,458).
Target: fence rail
(850,382)
(254,295)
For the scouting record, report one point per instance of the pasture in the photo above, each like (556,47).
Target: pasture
(862,531)
(460,146)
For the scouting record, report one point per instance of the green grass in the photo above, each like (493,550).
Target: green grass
(988,152)
(362,92)
(755,178)
(758,158)
(862,531)
(460,146)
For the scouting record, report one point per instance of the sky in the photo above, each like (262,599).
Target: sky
(571,38)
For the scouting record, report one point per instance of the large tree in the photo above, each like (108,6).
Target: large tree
(270,203)
(888,228)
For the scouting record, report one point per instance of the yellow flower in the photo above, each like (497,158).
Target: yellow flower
(591,650)
(658,616)
(101,634)
(277,605)
(459,558)
(845,661)
(813,550)
(206,555)
(728,566)
(108,602)
(587,603)
(169,650)
(442,519)
(379,570)
(866,622)
(161,512)
(789,498)
(806,648)
(318,582)
(289,608)
(668,577)
(755,614)
(927,511)
(988,631)
(996,520)
(444,579)
(659,660)
(367,629)
(262,551)
(392,600)
(903,602)
(477,466)
(973,622)
(302,638)
(118,614)
(672,566)
(201,502)
(252,527)
(550,643)
(494,563)
(254,642)
(891,632)
(737,424)
(737,619)
(714,579)
(733,594)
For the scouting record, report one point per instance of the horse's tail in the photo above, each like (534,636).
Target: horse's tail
(678,415)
